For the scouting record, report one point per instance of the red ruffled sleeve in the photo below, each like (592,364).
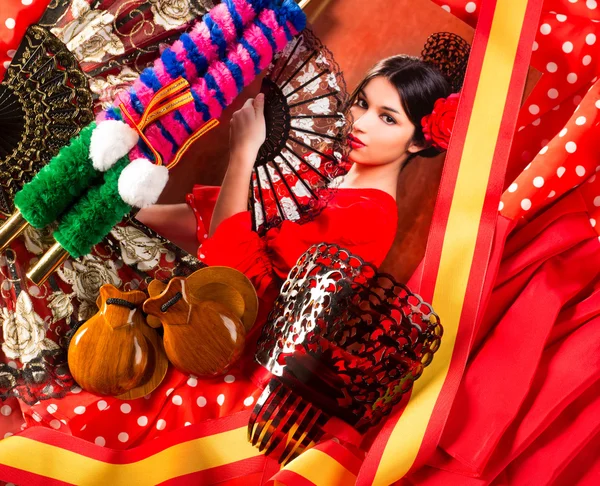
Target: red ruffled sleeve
(363,221)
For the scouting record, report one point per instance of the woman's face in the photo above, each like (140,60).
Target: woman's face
(381,133)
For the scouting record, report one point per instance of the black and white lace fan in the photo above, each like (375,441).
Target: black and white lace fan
(305,100)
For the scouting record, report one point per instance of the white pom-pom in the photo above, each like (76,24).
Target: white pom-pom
(111,140)
(142,182)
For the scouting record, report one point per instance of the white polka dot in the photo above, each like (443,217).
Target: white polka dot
(26,2)
(593,222)
(572,78)
(590,39)
(560,171)
(205,236)
(526,204)
(229,379)
(571,147)
(551,194)
(102,405)
(535,46)
(6,64)
(562,133)
(521,129)
(597,104)
(567,47)
(580,120)
(6,410)
(572,1)
(534,109)
(147,397)
(80,410)
(187,423)
(561,17)
(538,181)
(10,23)
(536,122)
(250,400)
(545,29)
(221,399)
(125,408)
(161,424)
(36,416)
(513,187)
(470,7)
(591,4)
(142,421)
(586,59)
(527,166)
(123,437)
(12,364)
(557,107)
(52,408)
(169,391)
(192,381)
(100,441)
(76,389)
(446,8)
(177,400)
(597,201)
(8,434)
(201,401)
(580,170)
(544,150)
(553,93)
(592,179)
(55,424)
(202,255)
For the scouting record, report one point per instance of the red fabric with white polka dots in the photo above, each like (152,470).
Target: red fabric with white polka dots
(559,120)
(15,17)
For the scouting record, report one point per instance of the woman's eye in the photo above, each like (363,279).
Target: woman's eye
(361,103)
(388,119)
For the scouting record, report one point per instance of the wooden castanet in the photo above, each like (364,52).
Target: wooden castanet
(204,285)
(109,353)
(203,338)
(156,368)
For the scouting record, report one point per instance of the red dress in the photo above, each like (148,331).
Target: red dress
(362,220)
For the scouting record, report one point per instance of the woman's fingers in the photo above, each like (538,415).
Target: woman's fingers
(259,104)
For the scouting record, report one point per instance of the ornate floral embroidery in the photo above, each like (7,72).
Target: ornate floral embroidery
(171,14)
(38,241)
(107,89)
(137,248)
(60,305)
(24,331)
(87,275)
(90,35)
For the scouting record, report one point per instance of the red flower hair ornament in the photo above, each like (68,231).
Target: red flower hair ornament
(437,127)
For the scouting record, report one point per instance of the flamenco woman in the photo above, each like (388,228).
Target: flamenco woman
(387,107)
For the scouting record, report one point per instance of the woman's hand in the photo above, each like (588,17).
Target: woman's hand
(247,130)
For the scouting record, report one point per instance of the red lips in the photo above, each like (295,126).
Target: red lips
(355,143)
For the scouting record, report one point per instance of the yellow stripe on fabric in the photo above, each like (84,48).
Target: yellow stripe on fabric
(461,234)
(193,456)
(321,469)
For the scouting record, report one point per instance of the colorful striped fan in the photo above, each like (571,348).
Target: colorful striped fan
(305,96)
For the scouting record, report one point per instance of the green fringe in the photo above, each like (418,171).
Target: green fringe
(94,215)
(59,183)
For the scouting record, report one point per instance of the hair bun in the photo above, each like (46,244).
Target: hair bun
(449,53)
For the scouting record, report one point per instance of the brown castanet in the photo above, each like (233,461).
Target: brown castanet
(109,353)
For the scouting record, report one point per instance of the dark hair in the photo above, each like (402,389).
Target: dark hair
(419,86)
